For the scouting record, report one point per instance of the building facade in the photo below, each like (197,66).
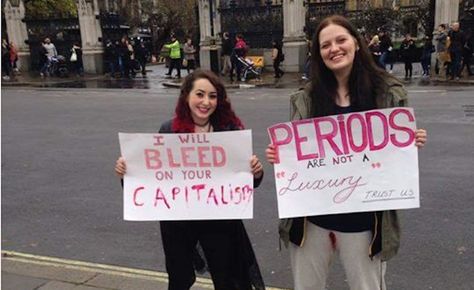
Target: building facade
(300,17)
(290,21)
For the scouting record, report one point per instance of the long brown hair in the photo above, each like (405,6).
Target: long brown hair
(222,118)
(365,78)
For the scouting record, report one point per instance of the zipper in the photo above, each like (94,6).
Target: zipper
(375,235)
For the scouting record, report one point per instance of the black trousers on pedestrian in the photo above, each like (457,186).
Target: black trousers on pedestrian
(6,67)
(191,65)
(466,62)
(236,66)
(408,69)
(227,251)
(277,69)
(175,63)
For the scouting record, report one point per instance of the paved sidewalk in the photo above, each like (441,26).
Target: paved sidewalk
(156,77)
(31,272)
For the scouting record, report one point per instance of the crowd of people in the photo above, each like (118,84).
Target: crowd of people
(453,51)
(452,46)
(125,58)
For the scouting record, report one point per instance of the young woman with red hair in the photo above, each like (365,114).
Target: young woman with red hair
(203,106)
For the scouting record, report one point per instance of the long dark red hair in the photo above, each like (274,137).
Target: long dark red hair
(223,117)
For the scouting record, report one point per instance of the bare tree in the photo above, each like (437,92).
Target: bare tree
(165,17)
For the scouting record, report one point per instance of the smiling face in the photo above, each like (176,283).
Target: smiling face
(337,47)
(202,101)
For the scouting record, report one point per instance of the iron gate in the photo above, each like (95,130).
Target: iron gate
(259,22)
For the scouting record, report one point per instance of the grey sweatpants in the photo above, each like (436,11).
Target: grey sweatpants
(311,263)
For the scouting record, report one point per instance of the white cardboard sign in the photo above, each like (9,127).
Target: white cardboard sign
(364,161)
(187,176)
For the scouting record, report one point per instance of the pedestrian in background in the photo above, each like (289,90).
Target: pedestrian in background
(203,106)
(385,48)
(426,51)
(391,59)
(133,64)
(189,55)
(141,55)
(51,54)
(124,59)
(344,79)
(307,63)
(457,39)
(76,59)
(442,54)
(408,50)
(238,55)
(42,59)
(111,57)
(13,57)
(374,48)
(175,56)
(6,68)
(277,57)
(227,47)
(468,49)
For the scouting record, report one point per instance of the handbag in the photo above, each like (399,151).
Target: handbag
(185,62)
(444,56)
(73,56)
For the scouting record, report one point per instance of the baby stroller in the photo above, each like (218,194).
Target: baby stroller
(59,67)
(249,70)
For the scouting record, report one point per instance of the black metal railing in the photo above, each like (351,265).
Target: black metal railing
(63,32)
(259,22)
(113,26)
(318,10)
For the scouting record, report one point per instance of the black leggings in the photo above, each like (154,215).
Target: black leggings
(222,250)
(408,69)
(277,69)
(175,63)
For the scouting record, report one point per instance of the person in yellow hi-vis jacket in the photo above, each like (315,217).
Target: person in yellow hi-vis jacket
(175,56)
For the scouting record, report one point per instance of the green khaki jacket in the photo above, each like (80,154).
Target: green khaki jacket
(386,232)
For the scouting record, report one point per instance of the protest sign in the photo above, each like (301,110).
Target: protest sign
(187,176)
(364,161)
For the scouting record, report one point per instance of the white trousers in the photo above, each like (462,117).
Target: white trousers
(311,263)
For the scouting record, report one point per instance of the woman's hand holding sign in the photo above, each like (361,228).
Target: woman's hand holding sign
(271,153)
(256,166)
(120,167)
(420,137)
